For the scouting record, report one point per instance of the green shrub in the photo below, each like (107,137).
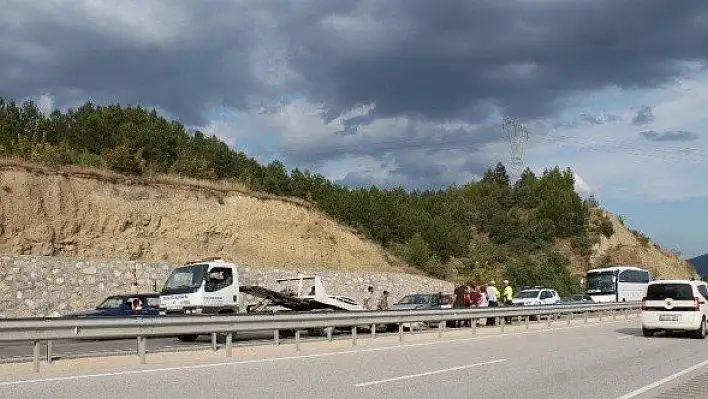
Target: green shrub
(606,227)
(582,245)
(123,159)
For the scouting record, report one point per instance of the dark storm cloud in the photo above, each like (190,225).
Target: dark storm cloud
(679,135)
(419,136)
(645,115)
(454,57)
(409,58)
(202,57)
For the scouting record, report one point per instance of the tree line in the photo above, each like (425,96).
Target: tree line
(469,233)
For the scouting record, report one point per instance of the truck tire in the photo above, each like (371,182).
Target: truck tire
(187,338)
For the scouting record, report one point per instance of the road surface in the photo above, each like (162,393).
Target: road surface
(608,360)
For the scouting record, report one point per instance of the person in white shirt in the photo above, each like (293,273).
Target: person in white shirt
(369,300)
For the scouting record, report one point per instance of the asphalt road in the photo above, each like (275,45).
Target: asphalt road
(593,361)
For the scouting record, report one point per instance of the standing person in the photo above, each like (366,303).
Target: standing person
(483,303)
(467,303)
(369,300)
(492,298)
(508,293)
(383,302)
(458,303)
(475,297)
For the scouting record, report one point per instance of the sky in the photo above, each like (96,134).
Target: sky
(404,92)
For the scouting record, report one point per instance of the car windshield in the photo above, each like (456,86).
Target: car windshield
(414,300)
(185,279)
(113,302)
(678,291)
(601,283)
(527,294)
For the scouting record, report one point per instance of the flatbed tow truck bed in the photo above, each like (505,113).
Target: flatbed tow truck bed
(282,299)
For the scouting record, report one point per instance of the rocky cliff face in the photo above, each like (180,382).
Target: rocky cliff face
(45,212)
(627,247)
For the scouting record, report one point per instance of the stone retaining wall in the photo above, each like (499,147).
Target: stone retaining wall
(32,286)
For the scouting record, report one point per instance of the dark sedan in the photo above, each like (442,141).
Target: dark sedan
(142,304)
(577,299)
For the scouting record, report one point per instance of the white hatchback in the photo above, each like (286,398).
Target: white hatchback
(675,305)
(536,296)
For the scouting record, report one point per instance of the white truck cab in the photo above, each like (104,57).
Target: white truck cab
(209,286)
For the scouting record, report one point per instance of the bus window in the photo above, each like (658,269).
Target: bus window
(601,283)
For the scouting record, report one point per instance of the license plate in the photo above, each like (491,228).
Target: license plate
(668,317)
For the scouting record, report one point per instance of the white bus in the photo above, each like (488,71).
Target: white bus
(617,284)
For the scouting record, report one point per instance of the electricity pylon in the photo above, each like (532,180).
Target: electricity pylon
(518,136)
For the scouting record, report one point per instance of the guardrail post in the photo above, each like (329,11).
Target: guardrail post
(35,361)
(527,322)
(330,331)
(569,317)
(50,351)
(585,317)
(502,322)
(626,314)
(141,349)
(354,335)
(276,337)
(213,342)
(614,316)
(473,325)
(550,319)
(400,332)
(297,340)
(373,331)
(229,344)
(441,325)
(599,315)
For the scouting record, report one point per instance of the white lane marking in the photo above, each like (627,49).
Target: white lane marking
(313,356)
(624,337)
(407,377)
(663,381)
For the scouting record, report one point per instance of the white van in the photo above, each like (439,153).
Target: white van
(675,305)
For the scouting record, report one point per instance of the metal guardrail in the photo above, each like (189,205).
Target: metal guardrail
(50,329)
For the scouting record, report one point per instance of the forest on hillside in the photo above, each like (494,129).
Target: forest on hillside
(467,233)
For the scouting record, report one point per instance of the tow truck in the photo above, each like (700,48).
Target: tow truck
(211,286)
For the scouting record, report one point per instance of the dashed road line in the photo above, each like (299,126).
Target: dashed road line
(427,373)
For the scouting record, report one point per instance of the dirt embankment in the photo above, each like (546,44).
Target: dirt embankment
(98,214)
(628,247)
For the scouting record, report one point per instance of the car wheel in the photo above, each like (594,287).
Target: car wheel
(647,332)
(187,338)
